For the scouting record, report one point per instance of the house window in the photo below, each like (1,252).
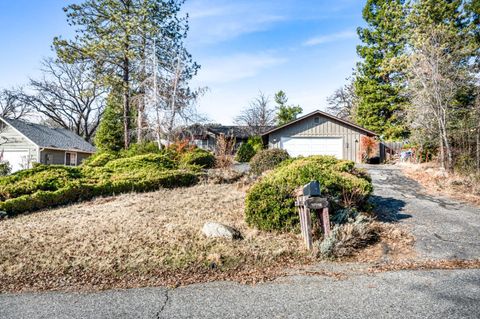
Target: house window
(71,159)
(316,120)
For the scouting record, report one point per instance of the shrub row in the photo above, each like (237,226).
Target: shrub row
(81,189)
(270,202)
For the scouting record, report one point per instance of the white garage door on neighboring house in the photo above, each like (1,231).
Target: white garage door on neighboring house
(18,159)
(306,146)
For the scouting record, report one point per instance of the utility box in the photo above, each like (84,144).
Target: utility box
(312,189)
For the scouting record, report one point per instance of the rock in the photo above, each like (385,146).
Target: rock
(3,214)
(213,230)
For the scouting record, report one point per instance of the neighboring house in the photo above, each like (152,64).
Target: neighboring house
(22,143)
(206,136)
(318,133)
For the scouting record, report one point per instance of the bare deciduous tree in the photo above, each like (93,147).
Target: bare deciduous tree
(11,105)
(69,96)
(438,69)
(343,101)
(169,101)
(258,116)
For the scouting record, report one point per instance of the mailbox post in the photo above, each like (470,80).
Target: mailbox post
(311,200)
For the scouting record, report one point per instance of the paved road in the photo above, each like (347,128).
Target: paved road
(404,294)
(444,229)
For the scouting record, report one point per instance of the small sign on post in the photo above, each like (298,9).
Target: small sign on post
(311,200)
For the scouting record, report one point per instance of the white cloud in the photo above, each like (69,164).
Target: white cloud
(235,67)
(220,20)
(330,38)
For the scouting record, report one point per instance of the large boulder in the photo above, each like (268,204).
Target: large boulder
(217,230)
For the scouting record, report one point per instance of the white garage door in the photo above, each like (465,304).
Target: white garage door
(18,159)
(306,146)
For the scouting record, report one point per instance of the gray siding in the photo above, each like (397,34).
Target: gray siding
(57,157)
(11,140)
(54,157)
(81,157)
(326,127)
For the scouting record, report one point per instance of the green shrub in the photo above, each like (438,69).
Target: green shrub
(81,190)
(100,159)
(140,149)
(5,168)
(256,142)
(270,202)
(267,159)
(149,161)
(200,157)
(42,178)
(52,185)
(245,153)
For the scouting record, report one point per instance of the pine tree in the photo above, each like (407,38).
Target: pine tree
(109,135)
(285,113)
(114,35)
(379,83)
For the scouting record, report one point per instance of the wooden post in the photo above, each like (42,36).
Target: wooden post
(325,221)
(320,206)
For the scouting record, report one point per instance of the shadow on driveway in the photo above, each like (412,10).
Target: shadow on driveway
(388,209)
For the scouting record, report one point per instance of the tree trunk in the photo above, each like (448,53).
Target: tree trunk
(126,102)
(442,149)
(478,149)
(143,77)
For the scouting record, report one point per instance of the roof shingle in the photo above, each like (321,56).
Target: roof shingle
(46,137)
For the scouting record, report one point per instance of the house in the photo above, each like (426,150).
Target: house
(318,133)
(22,143)
(206,136)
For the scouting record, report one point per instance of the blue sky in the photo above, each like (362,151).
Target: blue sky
(306,48)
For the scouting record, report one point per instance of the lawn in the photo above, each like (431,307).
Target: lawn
(140,240)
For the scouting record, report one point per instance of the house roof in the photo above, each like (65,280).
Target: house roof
(329,116)
(52,138)
(236,131)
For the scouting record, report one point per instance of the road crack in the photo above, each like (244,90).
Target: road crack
(167,299)
(455,241)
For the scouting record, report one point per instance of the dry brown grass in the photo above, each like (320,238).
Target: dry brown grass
(137,240)
(427,265)
(465,188)
(396,243)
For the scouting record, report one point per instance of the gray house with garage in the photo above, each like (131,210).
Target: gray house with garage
(23,143)
(319,133)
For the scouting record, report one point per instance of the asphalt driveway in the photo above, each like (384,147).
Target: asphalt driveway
(444,229)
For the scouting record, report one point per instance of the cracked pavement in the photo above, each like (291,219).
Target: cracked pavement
(444,229)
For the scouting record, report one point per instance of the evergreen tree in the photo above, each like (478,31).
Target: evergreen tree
(109,135)
(379,83)
(116,34)
(285,113)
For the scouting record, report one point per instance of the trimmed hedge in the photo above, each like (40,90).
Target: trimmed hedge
(267,159)
(270,202)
